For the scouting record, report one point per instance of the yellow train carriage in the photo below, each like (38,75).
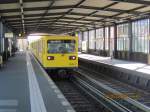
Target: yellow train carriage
(56,51)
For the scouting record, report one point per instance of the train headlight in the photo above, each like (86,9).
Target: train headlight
(50,58)
(72,57)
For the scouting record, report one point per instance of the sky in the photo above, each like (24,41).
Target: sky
(33,37)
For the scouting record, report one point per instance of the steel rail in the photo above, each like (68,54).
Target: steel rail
(132,105)
(110,104)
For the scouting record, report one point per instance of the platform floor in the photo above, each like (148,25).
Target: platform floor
(25,87)
(135,66)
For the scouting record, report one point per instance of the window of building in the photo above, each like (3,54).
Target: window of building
(111,38)
(122,37)
(85,36)
(99,39)
(140,33)
(80,39)
(91,39)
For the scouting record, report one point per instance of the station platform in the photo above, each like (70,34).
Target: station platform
(26,87)
(134,73)
(140,67)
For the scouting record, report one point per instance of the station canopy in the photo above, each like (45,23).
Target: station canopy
(61,16)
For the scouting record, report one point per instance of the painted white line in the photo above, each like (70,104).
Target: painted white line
(8,110)
(36,99)
(57,91)
(70,111)
(60,96)
(54,86)
(65,103)
(50,82)
(8,103)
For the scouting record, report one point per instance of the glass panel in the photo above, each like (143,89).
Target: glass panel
(99,39)
(122,37)
(111,38)
(91,39)
(85,36)
(80,39)
(140,33)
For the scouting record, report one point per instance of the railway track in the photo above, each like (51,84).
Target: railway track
(128,98)
(80,101)
(88,91)
(86,96)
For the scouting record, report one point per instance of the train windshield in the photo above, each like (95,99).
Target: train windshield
(61,46)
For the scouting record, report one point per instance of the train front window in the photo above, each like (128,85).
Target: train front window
(61,46)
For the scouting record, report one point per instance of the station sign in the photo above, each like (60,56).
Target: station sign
(9,35)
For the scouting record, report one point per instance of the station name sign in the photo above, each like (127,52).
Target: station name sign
(8,35)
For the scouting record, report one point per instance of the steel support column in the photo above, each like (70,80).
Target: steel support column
(82,37)
(5,43)
(148,61)
(2,39)
(88,41)
(149,38)
(94,39)
(1,35)
(130,39)
(109,40)
(104,38)
(115,41)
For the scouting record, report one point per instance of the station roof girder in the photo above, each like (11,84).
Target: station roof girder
(74,14)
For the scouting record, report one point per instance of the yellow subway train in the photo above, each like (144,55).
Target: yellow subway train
(56,52)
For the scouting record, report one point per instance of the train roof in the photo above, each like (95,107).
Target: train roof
(47,34)
(53,36)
